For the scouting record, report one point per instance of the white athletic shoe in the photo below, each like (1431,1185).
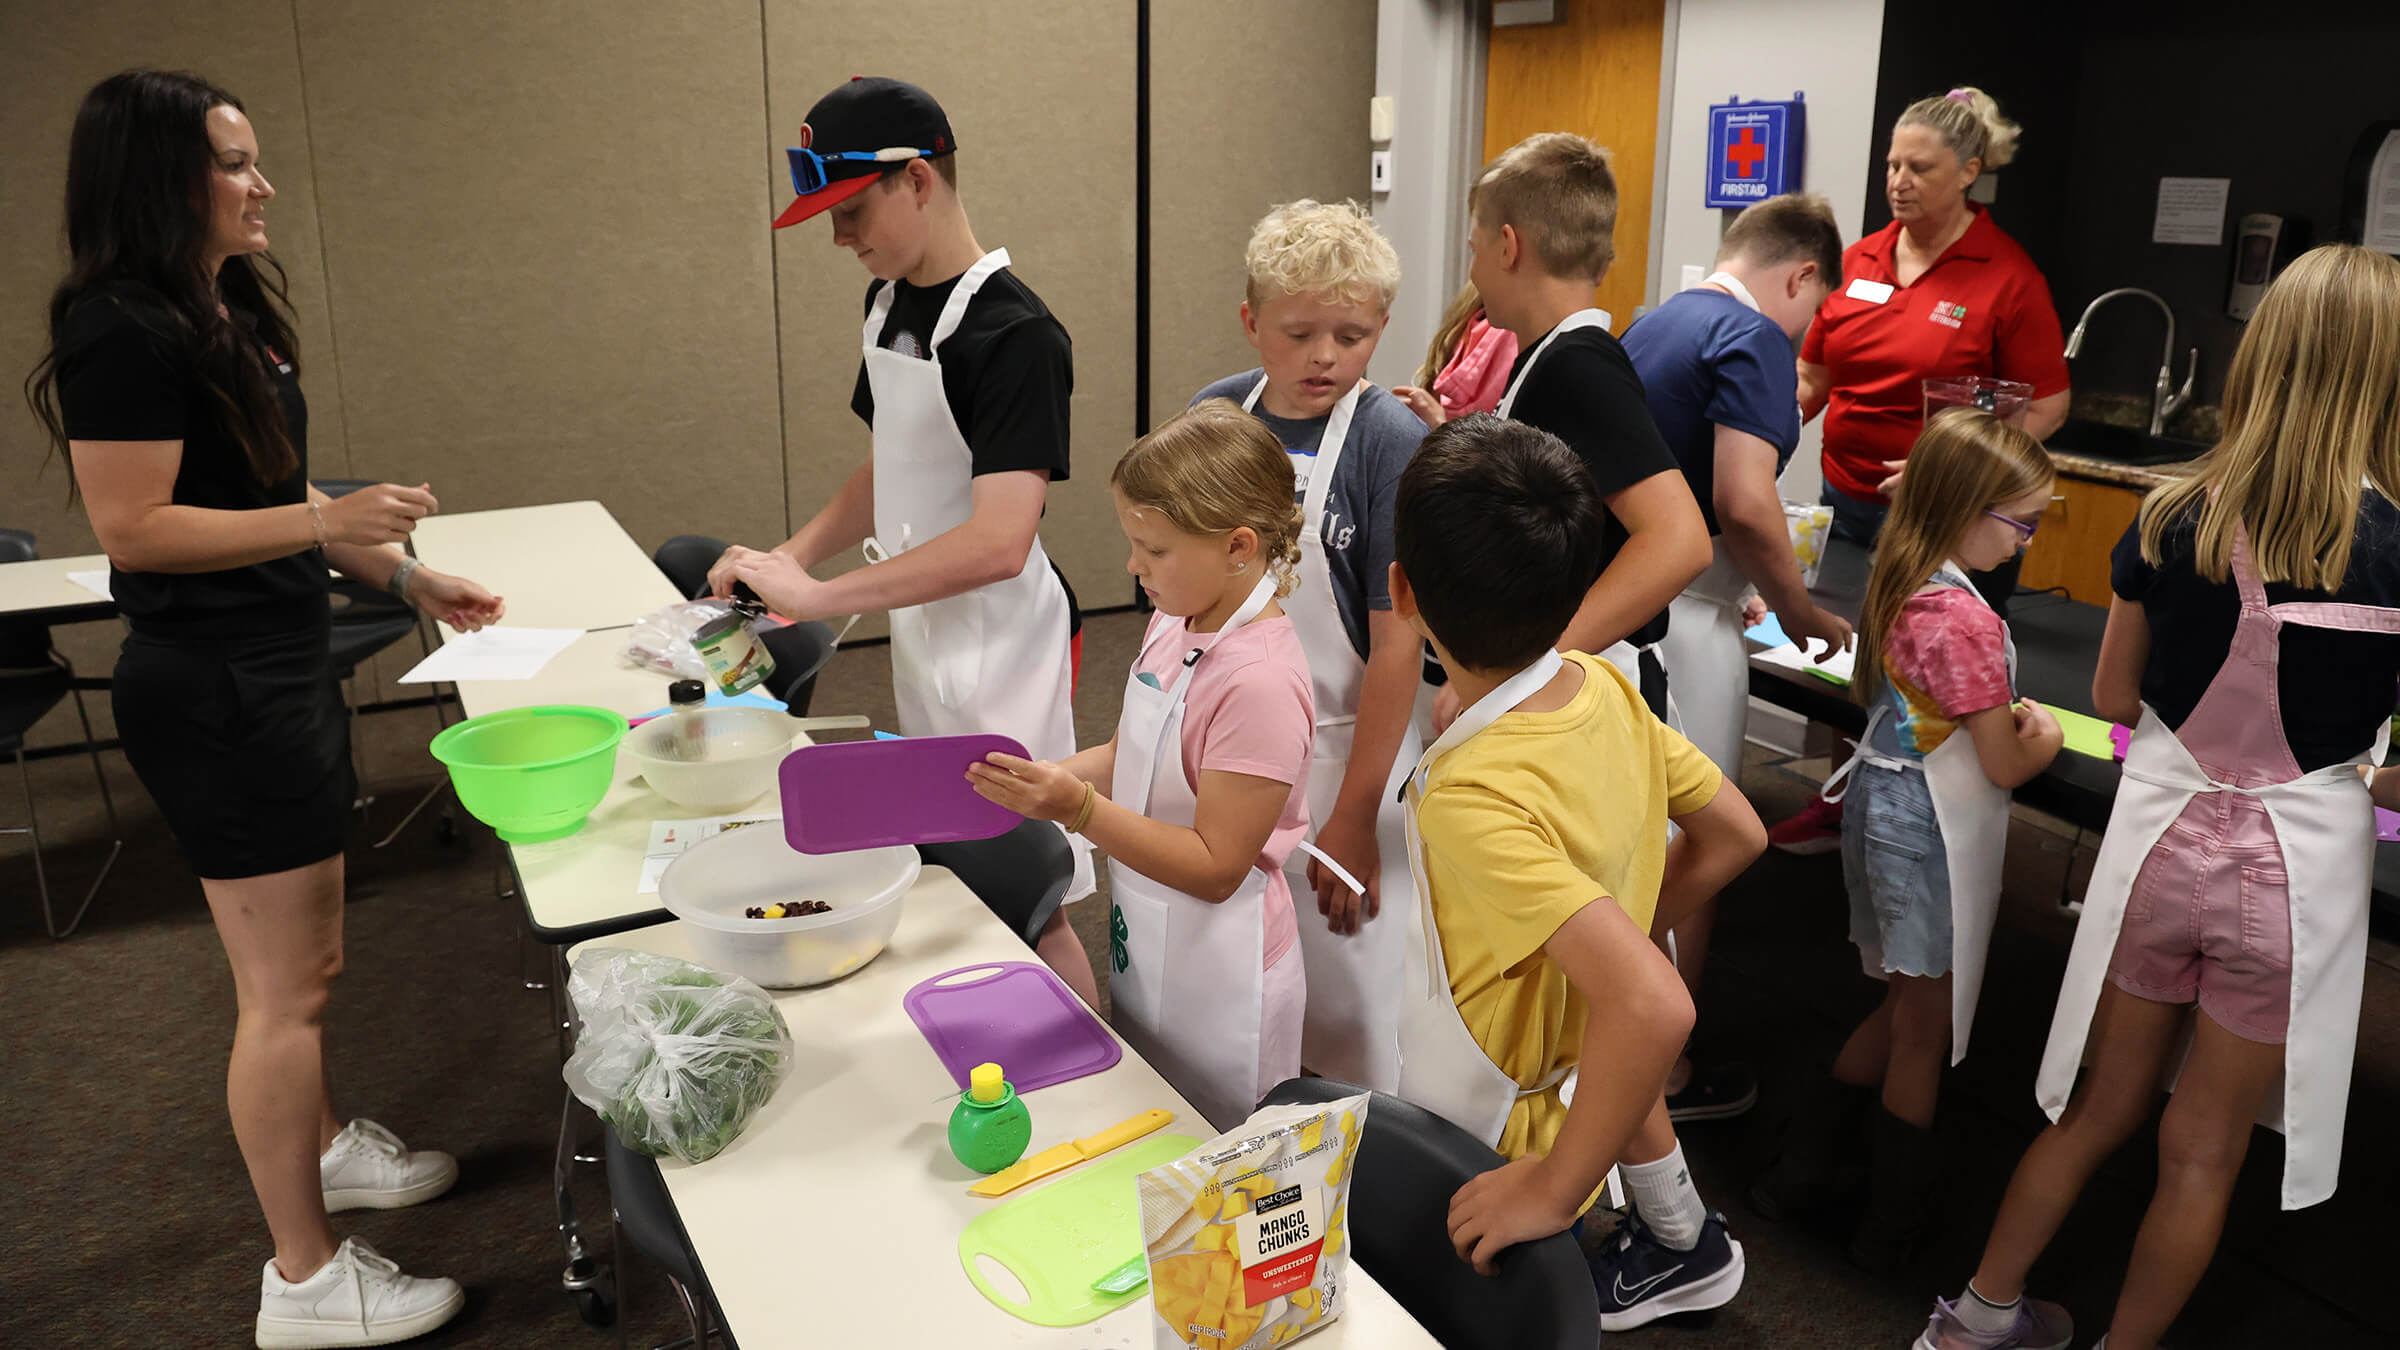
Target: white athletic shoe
(369,1168)
(357,1298)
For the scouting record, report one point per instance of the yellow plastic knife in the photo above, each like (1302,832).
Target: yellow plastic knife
(1070,1153)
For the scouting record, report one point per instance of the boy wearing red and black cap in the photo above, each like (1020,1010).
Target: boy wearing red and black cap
(964,382)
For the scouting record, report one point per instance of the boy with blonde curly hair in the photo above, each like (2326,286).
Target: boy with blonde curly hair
(1321,279)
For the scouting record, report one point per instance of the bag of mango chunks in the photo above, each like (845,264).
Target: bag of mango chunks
(1247,1234)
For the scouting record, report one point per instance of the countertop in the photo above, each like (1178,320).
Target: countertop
(2139,477)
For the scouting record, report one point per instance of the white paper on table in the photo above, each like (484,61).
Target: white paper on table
(2191,211)
(669,838)
(493,654)
(95,581)
(1791,658)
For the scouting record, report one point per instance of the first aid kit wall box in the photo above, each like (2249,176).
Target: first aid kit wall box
(1754,150)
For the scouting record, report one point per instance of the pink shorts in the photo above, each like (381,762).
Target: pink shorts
(2209,919)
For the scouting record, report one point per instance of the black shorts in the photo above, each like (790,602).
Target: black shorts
(244,743)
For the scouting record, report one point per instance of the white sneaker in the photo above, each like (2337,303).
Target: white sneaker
(369,1168)
(357,1298)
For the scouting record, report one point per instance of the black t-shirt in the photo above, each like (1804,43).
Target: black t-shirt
(1585,392)
(2334,687)
(1008,371)
(120,378)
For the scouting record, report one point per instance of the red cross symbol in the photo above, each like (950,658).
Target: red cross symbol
(1745,153)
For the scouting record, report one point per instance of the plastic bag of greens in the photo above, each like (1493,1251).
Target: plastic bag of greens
(675,1056)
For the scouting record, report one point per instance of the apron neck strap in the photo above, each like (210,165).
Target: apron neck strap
(1502,700)
(1582,318)
(1733,286)
(969,282)
(1953,573)
(1252,605)
(1250,400)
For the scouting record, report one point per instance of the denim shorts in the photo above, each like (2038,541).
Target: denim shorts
(1897,872)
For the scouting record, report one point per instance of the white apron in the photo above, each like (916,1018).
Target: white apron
(1187,983)
(995,658)
(1972,813)
(2325,825)
(1707,666)
(1443,1068)
(1352,1032)
(1623,655)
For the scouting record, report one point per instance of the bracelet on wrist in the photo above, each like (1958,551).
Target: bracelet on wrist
(316,524)
(1083,815)
(401,576)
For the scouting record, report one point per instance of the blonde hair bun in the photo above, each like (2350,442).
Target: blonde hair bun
(1969,122)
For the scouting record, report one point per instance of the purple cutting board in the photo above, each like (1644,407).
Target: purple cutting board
(1019,1016)
(847,795)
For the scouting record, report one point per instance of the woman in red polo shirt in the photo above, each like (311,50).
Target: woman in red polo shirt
(1940,291)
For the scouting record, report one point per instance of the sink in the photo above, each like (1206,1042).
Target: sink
(2123,445)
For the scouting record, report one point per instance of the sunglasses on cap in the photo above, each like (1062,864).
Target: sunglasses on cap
(808,167)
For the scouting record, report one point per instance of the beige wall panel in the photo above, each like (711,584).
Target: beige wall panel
(1041,98)
(543,243)
(1250,104)
(50,55)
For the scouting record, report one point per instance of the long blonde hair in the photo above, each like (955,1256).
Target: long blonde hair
(1213,469)
(1464,306)
(2312,415)
(1965,463)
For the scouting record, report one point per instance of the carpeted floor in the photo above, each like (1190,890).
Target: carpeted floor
(126,1219)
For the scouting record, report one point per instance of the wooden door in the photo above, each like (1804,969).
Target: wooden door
(1595,73)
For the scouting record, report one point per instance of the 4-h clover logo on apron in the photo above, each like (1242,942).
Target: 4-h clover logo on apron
(1117,960)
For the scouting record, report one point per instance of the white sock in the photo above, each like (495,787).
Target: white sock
(1664,1196)
(1982,1314)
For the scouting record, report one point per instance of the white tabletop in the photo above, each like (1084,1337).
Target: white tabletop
(834,1219)
(41,587)
(587,883)
(565,565)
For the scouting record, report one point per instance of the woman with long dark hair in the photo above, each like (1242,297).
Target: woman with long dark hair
(172,387)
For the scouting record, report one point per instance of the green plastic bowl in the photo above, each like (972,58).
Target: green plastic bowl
(532,774)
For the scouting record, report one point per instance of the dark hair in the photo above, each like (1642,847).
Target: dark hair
(138,217)
(1498,529)
(1794,227)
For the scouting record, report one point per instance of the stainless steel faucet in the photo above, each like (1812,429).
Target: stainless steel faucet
(2165,398)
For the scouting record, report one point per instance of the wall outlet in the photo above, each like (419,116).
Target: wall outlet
(1379,171)
(1693,275)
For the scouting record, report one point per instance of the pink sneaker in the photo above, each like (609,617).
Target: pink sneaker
(1817,829)
(2039,1326)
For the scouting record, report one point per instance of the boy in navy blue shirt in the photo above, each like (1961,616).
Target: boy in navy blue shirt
(1718,371)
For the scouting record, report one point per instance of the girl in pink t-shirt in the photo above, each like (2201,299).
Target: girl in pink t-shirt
(1198,799)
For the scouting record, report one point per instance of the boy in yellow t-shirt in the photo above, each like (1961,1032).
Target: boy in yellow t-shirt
(1557,802)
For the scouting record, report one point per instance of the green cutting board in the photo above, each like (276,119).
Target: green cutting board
(1061,1238)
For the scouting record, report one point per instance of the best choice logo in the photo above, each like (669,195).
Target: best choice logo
(1948,314)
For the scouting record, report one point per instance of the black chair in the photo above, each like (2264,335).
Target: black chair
(34,678)
(365,621)
(643,1220)
(1020,876)
(800,650)
(1409,1165)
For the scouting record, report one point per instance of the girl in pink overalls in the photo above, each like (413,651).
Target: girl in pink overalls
(2255,634)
